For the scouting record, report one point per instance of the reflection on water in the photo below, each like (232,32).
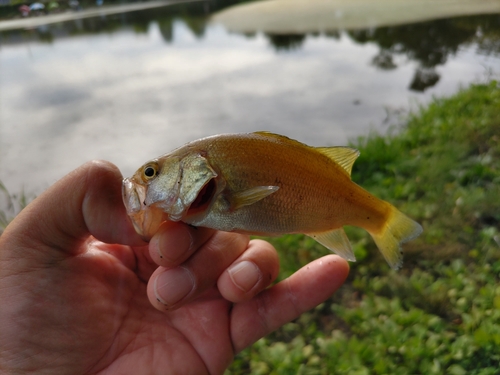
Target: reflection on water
(131,86)
(431,44)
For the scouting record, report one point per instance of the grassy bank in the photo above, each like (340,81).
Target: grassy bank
(440,313)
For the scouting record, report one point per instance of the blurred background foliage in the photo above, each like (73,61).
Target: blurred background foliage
(440,313)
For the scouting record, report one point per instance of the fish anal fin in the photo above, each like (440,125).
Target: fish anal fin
(343,156)
(336,241)
(251,196)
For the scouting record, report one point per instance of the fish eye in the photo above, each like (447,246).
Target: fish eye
(149,171)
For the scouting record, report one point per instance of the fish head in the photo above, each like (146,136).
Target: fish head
(166,189)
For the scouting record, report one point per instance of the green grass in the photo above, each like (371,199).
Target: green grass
(10,205)
(440,314)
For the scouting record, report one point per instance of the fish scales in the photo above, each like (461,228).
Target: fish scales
(263,183)
(305,201)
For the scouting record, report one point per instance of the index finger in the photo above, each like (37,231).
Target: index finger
(175,242)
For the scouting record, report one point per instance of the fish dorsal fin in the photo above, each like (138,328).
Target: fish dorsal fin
(336,241)
(343,156)
(250,196)
(269,134)
(279,137)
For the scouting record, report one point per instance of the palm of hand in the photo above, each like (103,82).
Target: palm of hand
(193,339)
(105,322)
(71,304)
(108,316)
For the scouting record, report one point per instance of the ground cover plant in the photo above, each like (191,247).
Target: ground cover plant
(440,314)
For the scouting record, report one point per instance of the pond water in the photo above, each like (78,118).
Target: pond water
(129,87)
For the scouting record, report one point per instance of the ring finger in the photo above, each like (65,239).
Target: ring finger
(169,288)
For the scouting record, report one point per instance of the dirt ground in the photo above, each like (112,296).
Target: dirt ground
(302,16)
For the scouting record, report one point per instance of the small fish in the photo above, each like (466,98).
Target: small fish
(266,184)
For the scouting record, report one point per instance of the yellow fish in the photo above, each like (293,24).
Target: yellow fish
(266,184)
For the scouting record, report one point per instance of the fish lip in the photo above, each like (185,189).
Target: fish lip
(131,197)
(144,218)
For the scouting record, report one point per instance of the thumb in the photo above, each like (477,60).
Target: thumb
(85,202)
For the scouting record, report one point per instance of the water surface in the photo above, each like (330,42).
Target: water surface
(131,86)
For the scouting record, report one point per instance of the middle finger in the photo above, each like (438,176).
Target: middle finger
(169,288)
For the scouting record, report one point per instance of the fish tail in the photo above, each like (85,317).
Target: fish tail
(397,229)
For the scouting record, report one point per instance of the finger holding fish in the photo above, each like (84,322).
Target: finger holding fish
(252,272)
(170,288)
(175,242)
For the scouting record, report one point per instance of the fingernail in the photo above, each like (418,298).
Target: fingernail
(172,247)
(173,285)
(245,275)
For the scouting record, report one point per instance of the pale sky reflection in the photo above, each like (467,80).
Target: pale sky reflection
(129,97)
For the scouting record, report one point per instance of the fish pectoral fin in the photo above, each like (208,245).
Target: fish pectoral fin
(252,195)
(343,156)
(335,240)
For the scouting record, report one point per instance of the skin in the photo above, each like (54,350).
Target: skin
(81,293)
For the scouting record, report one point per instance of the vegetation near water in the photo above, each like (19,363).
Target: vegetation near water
(440,314)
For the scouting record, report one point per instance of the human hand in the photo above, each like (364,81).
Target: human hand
(80,293)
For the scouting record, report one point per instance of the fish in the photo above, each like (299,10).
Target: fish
(264,184)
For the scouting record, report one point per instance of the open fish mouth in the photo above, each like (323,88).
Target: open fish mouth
(146,220)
